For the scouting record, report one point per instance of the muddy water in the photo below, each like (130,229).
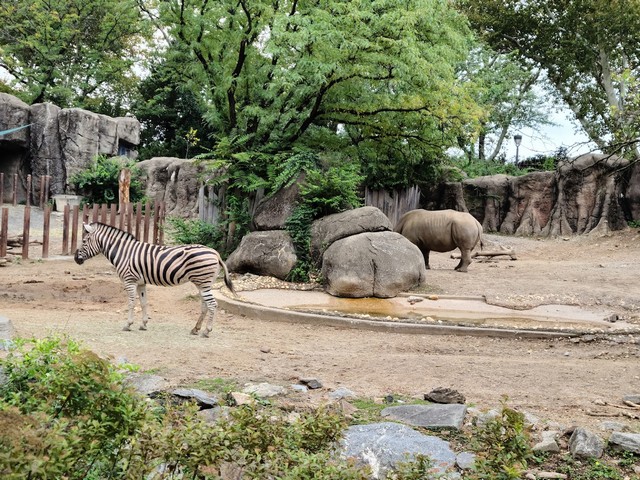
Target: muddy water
(472,312)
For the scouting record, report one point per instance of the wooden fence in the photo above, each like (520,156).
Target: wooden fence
(144,221)
(393,204)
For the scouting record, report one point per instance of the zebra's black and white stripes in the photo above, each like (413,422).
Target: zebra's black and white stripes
(138,263)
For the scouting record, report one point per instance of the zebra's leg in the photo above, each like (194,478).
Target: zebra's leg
(212,305)
(131,292)
(142,293)
(203,311)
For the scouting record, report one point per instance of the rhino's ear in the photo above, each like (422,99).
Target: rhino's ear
(89,228)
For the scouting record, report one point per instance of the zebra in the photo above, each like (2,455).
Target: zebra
(138,263)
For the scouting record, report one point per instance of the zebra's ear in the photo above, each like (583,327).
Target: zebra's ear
(88,228)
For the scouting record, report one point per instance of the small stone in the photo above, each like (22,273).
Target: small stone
(265,350)
(312,383)
(444,395)
(238,398)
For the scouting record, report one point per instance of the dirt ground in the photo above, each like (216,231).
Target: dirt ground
(570,381)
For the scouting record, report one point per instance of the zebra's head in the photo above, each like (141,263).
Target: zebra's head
(89,247)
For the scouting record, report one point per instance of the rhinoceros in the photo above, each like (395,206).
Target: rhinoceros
(441,231)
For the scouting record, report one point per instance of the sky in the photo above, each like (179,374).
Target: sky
(546,140)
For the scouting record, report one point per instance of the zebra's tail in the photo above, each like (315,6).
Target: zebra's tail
(227,278)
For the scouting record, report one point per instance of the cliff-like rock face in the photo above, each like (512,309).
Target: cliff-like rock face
(590,193)
(58,142)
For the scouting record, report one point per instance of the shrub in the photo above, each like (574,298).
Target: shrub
(99,183)
(502,447)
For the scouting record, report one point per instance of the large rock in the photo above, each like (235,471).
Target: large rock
(264,253)
(175,181)
(46,152)
(14,113)
(107,135)
(327,230)
(79,132)
(128,130)
(587,199)
(59,142)
(372,264)
(382,446)
(531,198)
(272,212)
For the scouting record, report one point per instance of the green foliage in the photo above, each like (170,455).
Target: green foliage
(502,447)
(418,468)
(634,223)
(193,231)
(99,183)
(325,190)
(374,82)
(590,469)
(64,412)
(73,53)
(479,168)
(589,69)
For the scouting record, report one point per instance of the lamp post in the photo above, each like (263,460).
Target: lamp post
(517,138)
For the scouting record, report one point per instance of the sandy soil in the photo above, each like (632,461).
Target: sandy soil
(571,381)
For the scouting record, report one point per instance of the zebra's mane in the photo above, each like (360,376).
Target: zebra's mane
(122,233)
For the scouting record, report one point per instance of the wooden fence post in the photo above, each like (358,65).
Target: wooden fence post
(138,219)
(4,228)
(124,183)
(25,232)
(113,210)
(28,191)
(65,230)
(15,189)
(147,219)
(45,231)
(74,228)
(1,188)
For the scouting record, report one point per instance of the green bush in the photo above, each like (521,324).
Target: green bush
(99,183)
(502,447)
(193,231)
(64,413)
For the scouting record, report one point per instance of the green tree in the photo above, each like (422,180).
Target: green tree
(373,80)
(588,49)
(71,52)
(505,90)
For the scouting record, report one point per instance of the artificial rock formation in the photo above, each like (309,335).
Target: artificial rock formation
(590,193)
(58,142)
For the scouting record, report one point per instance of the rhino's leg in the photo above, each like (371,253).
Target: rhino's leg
(465,260)
(425,254)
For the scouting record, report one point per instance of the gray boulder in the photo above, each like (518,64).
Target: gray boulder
(108,135)
(381,446)
(584,444)
(175,181)
(14,113)
(79,132)
(369,264)
(264,253)
(45,149)
(428,416)
(329,229)
(128,130)
(272,212)
(629,442)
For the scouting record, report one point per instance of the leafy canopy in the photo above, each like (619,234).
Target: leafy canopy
(373,80)
(71,52)
(588,48)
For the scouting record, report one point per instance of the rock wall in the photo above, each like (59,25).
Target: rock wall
(590,193)
(59,142)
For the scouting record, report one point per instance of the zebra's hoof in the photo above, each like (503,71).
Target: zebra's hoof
(204,334)
(126,329)
(143,327)
(194,331)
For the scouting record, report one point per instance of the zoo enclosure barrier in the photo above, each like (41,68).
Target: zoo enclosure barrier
(140,220)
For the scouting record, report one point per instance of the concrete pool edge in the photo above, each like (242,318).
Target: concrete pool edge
(273,314)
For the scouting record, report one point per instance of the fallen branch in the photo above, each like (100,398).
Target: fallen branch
(489,253)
